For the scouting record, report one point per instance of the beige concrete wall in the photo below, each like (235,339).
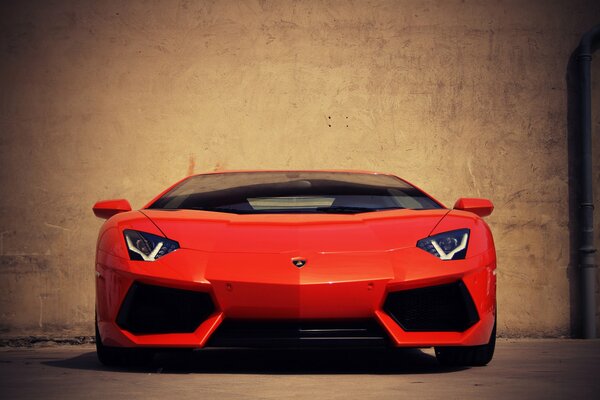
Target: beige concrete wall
(105,99)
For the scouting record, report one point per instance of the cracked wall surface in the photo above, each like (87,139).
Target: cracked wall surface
(116,99)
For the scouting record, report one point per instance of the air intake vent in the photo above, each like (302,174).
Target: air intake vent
(248,333)
(151,309)
(444,308)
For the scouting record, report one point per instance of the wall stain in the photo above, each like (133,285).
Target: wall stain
(24,263)
(191,164)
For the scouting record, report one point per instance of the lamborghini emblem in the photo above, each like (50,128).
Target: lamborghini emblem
(298,262)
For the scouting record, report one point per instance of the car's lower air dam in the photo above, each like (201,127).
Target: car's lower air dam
(149,309)
(275,333)
(444,308)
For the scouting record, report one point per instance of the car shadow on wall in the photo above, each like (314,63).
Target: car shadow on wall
(224,361)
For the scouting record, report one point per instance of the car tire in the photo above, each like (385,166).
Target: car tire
(120,356)
(467,356)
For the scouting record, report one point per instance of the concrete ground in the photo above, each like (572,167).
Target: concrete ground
(521,369)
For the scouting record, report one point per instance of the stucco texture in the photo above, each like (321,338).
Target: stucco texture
(110,99)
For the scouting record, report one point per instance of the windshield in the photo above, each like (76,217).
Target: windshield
(293,192)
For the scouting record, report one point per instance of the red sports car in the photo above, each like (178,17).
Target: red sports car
(293,259)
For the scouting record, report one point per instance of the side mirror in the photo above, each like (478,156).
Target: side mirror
(107,208)
(481,207)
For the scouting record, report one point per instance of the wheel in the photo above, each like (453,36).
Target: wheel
(121,356)
(473,356)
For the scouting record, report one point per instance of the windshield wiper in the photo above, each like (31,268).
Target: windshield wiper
(219,209)
(352,209)
(332,210)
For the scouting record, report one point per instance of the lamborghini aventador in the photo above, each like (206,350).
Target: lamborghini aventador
(295,259)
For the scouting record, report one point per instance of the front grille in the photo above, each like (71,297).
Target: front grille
(151,309)
(251,333)
(444,308)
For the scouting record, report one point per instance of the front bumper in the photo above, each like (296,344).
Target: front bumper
(267,290)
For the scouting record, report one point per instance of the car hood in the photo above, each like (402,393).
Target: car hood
(287,233)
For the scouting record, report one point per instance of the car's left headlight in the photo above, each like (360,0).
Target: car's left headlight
(143,246)
(450,245)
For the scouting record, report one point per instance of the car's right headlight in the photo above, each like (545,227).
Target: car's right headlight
(450,245)
(143,246)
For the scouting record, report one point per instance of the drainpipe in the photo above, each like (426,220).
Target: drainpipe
(587,258)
